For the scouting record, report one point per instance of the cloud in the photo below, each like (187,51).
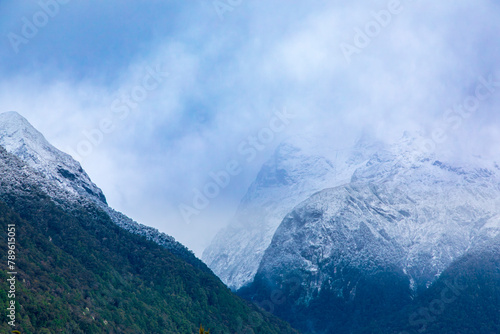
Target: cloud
(228,77)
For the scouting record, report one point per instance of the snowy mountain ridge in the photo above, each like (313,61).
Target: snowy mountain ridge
(352,254)
(20,138)
(65,181)
(413,216)
(364,183)
(298,168)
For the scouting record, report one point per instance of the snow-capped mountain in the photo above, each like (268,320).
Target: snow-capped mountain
(76,271)
(20,138)
(384,237)
(298,168)
(415,215)
(63,179)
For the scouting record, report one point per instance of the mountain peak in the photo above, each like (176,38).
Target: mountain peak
(300,167)
(13,120)
(16,132)
(63,179)
(11,114)
(20,138)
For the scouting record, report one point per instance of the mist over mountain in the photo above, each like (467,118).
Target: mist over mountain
(64,180)
(81,267)
(227,77)
(362,239)
(251,166)
(297,169)
(364,232)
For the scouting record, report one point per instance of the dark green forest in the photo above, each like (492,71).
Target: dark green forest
(464,300)
(78,272)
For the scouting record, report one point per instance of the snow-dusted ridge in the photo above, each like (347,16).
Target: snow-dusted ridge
(372,205)
(297,169)
(20,138)
(416,223)
(64,180)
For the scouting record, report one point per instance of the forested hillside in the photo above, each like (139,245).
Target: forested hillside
(78,272)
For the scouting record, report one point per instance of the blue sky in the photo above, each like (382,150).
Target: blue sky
(221,72)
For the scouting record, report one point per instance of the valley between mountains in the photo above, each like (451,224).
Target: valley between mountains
(373,238)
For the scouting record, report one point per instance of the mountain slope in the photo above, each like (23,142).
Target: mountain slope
(465,299)
(64,180)
(79,272)
(298,169)
(20,138)
(365,249)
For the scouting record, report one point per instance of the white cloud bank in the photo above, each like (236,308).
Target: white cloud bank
(226,80)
